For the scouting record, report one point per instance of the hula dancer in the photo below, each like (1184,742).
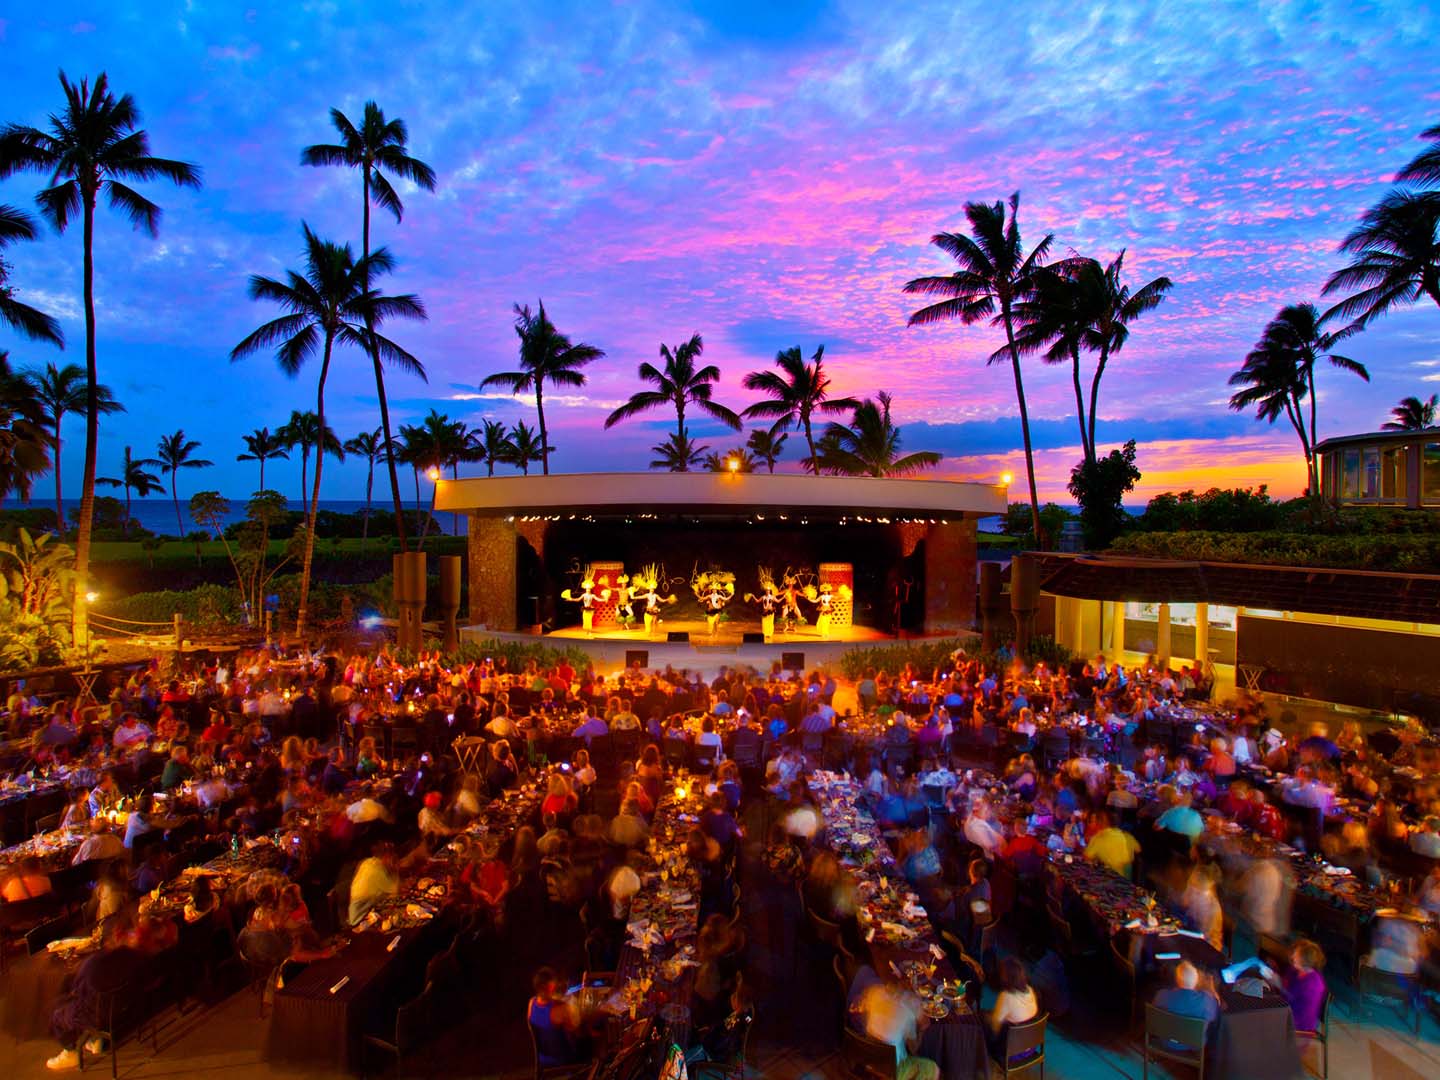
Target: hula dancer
(588,598)
(824,601)
(624,601)
(714,589)
(769,601)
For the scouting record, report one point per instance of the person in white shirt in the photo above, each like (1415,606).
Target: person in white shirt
(1426,841)
(100,844)
(890,1015)
(1015,1004)
(980,832)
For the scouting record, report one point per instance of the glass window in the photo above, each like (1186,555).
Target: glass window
(1392,473)
(1370,476)
(1221,618)
(1430,471)
(1141,612)
(1182,614)
(1351,488)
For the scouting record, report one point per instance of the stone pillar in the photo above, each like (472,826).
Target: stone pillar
(1162,636)
(1024,599)
(950,577)
(410,592)
(992,605)
(491,549)
(1202,634)
(1117,628)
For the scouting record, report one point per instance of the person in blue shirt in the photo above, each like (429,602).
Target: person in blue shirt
(1186,997)
(1182,819)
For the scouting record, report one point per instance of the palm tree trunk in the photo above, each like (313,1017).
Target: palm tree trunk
(810,442)
(92,432)
(175,495)
(380,376)
(1292,413)
(1025,424)
(544,438)
(262,473)
(1313,479)
(1086,445)
(305,480)
(315,497)
(59,511)
(369,491)
(125,529)
(1095,394)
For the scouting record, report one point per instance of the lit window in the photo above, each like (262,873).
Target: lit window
(1430,472)
(1351,488)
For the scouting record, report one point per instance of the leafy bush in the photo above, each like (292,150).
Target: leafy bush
(204,605)
(516,653)
(1389,551)
(926,656)
(1218,510)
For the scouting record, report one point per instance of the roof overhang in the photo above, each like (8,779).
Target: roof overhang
(718,495)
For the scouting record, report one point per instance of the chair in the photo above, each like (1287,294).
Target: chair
(1024,1047)
(48,823)
(555,1072)
(1125,967)
(262,953)
(404,739)
(1321,1034)
(677,753)
(1401,989)
(626,744)
(865,1057)
(19,917)
(826,931)
(1173,1038)
(734,1069)
(813,745)
(412,1025)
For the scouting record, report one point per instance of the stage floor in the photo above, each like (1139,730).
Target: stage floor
(607,649)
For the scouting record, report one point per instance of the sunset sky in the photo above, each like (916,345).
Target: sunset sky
(768,175)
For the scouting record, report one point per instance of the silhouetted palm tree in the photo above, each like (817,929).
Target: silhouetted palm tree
(995,274)
(94,145)
(61,391)
(1279,373)
(134,477)
(1412,414)
(24,446)
(525,447)
(679,384)
(795,393)
(331,302)
(376,147)
(1395,258)
(490,444)
(24,319)
(870,444)
(262,446)
(678,453)
(1424,169)
(767,446)
(369,445)
(303,430)
(546,355)
(173,454)
(737,460)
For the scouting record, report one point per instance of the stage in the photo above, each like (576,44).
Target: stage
(608,648)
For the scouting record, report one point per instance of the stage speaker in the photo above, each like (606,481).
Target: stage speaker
(637,656)
(753,637)
(792,661)
(678,635)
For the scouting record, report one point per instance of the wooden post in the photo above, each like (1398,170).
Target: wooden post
(179,631)
(450,601)
(268,622)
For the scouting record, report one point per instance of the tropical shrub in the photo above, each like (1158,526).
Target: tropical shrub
(37,578)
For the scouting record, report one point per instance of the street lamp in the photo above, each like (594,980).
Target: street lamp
(733,464)
(433,473)
(1007,478)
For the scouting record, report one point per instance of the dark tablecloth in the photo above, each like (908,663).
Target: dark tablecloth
(311,1026)
(32,988)
(957,1045)
(1254,1040)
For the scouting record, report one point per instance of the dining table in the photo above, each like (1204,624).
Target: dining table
(901,944)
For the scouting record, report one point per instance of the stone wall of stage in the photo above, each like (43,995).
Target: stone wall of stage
(950,577)
(492,556)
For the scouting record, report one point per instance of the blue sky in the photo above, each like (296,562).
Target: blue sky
(766,174)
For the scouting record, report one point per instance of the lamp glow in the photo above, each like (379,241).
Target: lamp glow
(433,473)
(91,597)
(733,464)
(1007,478)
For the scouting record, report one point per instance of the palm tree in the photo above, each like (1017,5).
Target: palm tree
(680,384)
(262,446)
(1053,321)
(95,144)
(417,449)
(525,447)
(62,391)
(24,446)
(1425,167)
(767,446)
(870,444)
(331,302)
(376,147)
(1395,258)
(1412,414)
(173,454)
(369,445)
(24,319)
(994,275)
(796,393)
(546,355)
(742,460)
(490,444)
(302,430)
(678,453)
(133,477)
(1279,373)
(448,443)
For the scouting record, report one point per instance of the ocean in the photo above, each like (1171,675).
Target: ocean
(158,515)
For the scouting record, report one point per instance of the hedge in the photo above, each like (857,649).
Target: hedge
(1389,551)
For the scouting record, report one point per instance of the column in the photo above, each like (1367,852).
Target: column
(491,550)
(1117,628)
(1162,636)
(950,577)
(1202,634)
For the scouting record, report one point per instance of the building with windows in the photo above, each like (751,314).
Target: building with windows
(1382,468)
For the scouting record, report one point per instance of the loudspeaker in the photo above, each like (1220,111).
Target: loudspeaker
(678,635)
(753,637)
(637,656)
(792,661)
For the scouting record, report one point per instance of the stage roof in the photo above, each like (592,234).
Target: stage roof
(707,494)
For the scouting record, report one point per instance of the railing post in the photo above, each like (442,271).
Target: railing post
(268,616)
(179,631)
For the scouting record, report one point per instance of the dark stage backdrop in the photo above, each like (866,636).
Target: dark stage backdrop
(740,547)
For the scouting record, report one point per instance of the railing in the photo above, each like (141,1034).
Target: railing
(172,632)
